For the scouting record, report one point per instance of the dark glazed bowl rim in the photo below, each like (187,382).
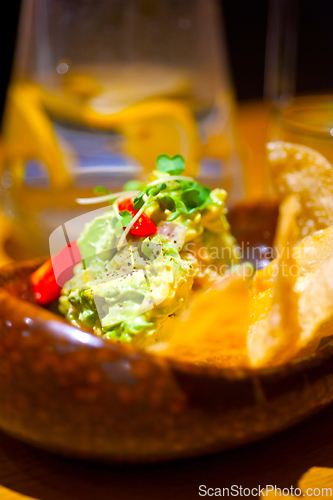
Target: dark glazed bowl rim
(60,328)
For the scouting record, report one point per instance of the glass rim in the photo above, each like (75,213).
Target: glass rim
(288,111)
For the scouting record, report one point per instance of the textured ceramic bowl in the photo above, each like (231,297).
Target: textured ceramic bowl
(72,393)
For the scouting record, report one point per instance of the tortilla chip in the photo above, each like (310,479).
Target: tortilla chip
(214,329)
(274,337)
(299,170)
(317,480)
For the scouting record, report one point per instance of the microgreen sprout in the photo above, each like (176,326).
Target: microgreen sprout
(175,193)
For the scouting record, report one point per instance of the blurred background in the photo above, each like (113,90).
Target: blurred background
(209,71)
(246,28)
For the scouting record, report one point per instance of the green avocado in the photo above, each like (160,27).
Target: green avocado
(132,293)
(100,237)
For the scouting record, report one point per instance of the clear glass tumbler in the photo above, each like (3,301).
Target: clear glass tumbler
(303,120)
(100,89)
(307,121)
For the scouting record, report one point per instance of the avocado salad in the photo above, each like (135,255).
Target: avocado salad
(145,254)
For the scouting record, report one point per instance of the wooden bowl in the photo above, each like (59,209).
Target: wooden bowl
(69,392)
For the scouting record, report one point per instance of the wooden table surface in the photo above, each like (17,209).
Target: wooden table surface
(280,460)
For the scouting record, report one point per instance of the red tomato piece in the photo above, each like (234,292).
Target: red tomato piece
(144,226)
(44,285)
(50,277)
(125,205)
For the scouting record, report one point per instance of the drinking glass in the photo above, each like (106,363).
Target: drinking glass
(100,88)
(306,120)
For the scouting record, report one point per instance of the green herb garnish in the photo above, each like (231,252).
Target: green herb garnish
(101,189)
(180,209)
(126,217)
(156,189)
(132,186)
(179,195)
(139,201)
(166,202)
(195,196)
(170,165)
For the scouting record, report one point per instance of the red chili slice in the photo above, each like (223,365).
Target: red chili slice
(50,277)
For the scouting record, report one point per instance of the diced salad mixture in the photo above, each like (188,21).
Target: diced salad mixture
(142,258)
